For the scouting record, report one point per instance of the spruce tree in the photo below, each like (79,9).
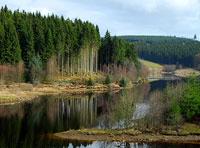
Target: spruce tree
(50,50)
(11,43)
(2,49)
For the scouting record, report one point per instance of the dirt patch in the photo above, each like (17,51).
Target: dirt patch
(187,72)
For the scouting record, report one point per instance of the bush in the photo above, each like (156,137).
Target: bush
(35,74)
(11,73)
(108,80)
(123,82)
(173,113)
(90,82)
(190,105)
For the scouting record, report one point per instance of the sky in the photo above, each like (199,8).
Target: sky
(124,17)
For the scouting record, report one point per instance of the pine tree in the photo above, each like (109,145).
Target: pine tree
(50,50)
(12,52)
(2,36)
(116,50)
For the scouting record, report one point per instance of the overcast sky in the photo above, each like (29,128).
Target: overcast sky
(124,17)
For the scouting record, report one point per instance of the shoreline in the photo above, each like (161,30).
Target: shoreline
(123,135)
(21,92)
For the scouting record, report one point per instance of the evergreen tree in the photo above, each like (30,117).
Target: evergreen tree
(2,37)
(50,50)
(12,51)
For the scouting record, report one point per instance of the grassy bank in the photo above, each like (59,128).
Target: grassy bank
(156,70)
(187,133)
(16,93)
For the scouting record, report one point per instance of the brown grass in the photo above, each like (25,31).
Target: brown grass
(19,92)
(127,135)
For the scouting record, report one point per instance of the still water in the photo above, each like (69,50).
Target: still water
(23,125)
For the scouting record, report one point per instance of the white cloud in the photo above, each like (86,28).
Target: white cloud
(167,17)
(183,4)
(43,11)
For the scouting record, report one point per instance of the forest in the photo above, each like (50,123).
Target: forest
(34,38)
(167,50)
(156,39)
(40,45)
(114,50)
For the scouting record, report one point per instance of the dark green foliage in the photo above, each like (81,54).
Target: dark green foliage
(182,101)
(166,50)
(10,47)
(123,82)
(169,53)
(116,51)
(35,73)
(90,82)
(173,113)
(190,105)
(155,39)
(105,52)
(27,35)
(50,50)
(2,36)
(108,80)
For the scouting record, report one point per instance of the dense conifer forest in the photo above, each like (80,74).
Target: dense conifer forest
(31,36)
(114,50)
(44,43)
(156,39)
(166,50)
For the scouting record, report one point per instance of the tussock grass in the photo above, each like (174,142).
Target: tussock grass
(111,132)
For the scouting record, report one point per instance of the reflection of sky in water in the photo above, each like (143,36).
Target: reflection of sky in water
(140,111)
(113,145)
(52,114)
(133,145)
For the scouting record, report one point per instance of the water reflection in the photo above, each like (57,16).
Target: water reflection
(21,125)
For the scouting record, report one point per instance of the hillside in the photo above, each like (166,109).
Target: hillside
(156,39)
(166,50)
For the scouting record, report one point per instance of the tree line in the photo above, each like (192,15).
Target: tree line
(34,38)
(156,39)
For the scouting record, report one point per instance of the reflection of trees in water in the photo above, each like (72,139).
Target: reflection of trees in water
(73,113)
(10,110)
(22,124)
(121,112)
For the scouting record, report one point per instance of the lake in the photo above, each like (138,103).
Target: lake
(25,124)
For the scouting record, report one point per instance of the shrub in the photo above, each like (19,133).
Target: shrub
(173,113)
(108,80)
(190,105)
(90,82)
(123,82)
(35,74)
(11,73)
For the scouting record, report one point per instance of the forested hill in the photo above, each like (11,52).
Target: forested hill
(156,39)
(167,50)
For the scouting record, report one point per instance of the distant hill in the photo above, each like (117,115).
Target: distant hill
(156,39)
(166,49)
